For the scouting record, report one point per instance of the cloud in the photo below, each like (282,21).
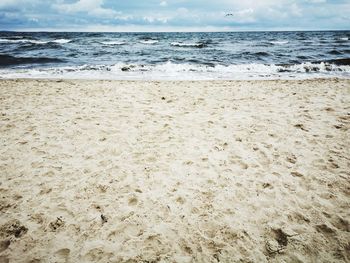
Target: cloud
(154,19)
(177,14)
(80,6)
(295,10)
(91,7)
(10,3)
(317,1)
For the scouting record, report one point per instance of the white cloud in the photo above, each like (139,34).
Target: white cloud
(80,6)
(246,14)
(182,10)
(18,3)
(9,3)
(5,3)
(317,1)
(92,7)
(152,19)
(295,10)
(134,28)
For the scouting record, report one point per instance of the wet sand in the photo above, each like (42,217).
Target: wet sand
(192,171)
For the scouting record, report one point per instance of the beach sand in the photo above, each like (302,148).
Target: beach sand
(192,171)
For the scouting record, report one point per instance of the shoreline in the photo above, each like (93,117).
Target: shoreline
(179,171)
(178,80)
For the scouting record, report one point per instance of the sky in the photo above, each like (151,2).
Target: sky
(173,15)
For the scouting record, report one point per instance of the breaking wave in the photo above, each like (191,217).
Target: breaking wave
(118,43)
(150,41)
(33,41)
(279,42)
(180,44)
(185,71)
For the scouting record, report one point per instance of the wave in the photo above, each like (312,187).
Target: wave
(6,40)
(338,62)
(279,42)
(312,68)
(181,44)
(61,41)
(6,60)
(184,71)
(31,46)
(343,40)
(264,44)
(257,54)
(149,41)
(335,52)
(10,40)
(117,43)
(303,57)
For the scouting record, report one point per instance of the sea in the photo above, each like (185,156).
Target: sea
(175,56)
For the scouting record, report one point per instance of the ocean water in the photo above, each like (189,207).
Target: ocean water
(175,56)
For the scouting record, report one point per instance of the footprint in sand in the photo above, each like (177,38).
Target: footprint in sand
(133,201)
(267,185)
(333,164)
(291,158)
(62,255)
(296,174)
(4,259)
(325,229)
(13,228)
(57,224)
(4,244)
(341,224)
(180,200)
(301,127)
(96,255)
(278,243)
(243,165)
(263,159)
(236,160)
(298,218)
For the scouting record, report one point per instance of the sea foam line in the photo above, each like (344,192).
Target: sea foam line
(184,71)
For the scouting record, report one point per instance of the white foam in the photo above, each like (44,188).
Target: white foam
(149,42)
(59,41)
(279,42)
(22,41)
(180,44)
(173,71)
(344,38)
(118,43)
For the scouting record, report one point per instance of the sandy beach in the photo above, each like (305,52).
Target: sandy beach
(174,171)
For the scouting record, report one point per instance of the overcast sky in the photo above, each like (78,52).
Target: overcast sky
(173,15)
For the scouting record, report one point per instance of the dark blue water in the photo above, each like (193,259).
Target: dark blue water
(175,55)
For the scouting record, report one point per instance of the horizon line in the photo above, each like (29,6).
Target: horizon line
(175,31)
